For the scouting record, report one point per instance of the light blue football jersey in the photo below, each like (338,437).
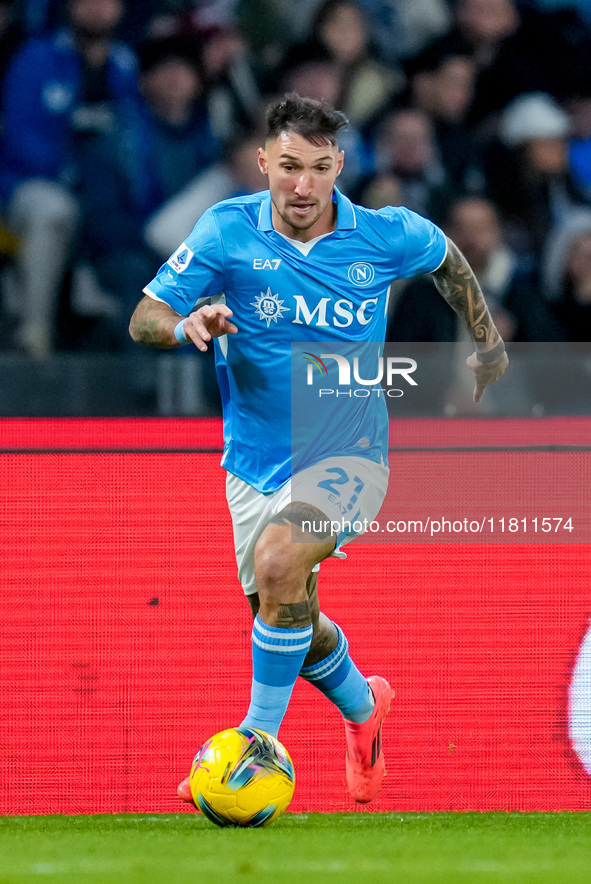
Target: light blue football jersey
(324,295)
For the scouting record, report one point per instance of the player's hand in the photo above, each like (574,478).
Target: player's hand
(210,321)
(486,373)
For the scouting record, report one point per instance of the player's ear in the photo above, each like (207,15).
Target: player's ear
(262,160)
(340,161)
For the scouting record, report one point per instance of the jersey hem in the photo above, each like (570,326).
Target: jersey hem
(435,269)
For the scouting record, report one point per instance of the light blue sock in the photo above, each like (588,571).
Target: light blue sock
(339,679)
(277,657)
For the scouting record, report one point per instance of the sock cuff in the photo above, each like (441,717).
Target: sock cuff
(326,667)
(281,641)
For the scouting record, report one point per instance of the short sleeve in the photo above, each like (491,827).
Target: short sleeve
(424,244)
(194,271)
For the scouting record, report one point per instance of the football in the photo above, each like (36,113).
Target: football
(242,777)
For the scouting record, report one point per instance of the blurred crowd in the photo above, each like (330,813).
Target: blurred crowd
(121,122)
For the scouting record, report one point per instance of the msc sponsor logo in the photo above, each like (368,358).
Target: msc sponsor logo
(361,274)
(326,312)
(269,307)
(342,313)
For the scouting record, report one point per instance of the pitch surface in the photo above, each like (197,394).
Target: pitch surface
(440,848)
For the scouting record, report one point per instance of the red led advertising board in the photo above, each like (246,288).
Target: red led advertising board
(126,640)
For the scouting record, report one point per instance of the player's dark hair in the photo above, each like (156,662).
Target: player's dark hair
(316,121)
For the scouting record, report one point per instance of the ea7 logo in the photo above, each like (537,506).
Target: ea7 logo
(266,263)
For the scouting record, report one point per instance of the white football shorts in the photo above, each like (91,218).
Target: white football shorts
(349,491)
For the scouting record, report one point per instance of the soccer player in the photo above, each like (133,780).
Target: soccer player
(300,263)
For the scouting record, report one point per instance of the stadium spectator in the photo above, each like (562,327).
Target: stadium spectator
(339,33)
(230,80)
(567,277)
(37,16)
(233,91)
(235,175)
(398,29)
(11,34)
(401,29)
(509,286)
(407,162)
(60,94)
(573,308)
(528,172)
(264,26)
(446,93)
(583,7)
(579,108)
(160,144)
(145,20)
(515,50)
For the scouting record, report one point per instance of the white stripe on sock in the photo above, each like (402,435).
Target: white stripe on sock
(325,667)
(281,649)
(282,634)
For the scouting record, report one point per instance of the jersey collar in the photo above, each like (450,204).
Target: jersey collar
(346,219)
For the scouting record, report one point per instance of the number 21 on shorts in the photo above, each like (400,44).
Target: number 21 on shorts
(338,477)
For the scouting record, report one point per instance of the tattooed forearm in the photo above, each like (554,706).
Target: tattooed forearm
(455,280)
(153,323)
(150,333)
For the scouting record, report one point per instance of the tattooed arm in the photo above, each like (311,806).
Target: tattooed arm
(455,280)
(153,323)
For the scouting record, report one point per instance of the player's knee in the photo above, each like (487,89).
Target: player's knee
(273,569)
(280,572)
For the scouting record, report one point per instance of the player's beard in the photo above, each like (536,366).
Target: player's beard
(301,223)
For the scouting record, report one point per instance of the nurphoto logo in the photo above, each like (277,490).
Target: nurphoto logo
(385,369)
